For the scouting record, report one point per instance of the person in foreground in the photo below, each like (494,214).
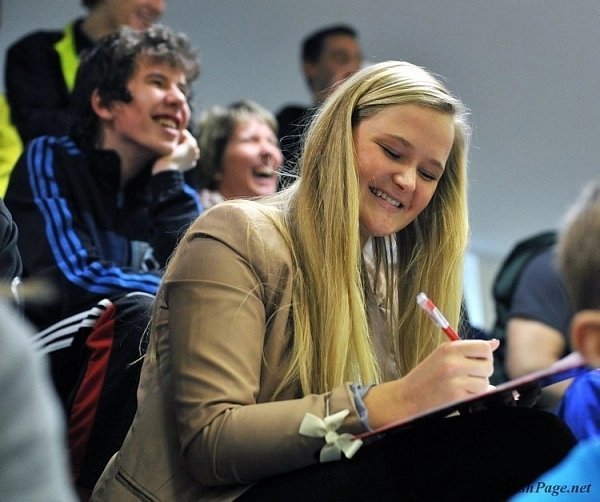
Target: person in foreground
(579,264)
(273,343)
(34,458)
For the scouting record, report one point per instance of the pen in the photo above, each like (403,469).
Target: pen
(436,316)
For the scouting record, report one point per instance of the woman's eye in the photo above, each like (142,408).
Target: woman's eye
(392,154)
(428,176)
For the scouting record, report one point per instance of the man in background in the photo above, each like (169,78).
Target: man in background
(537,332)
(329,56)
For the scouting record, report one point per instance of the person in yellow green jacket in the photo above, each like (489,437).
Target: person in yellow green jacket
(41,66)
(10,145)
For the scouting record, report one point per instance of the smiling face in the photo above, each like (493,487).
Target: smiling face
(251,161)
(150,125)
(401,152)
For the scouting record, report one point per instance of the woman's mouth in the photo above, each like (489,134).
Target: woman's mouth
(264,172)
(385,197)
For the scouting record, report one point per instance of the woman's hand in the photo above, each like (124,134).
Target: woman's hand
(453,371)
(183,158)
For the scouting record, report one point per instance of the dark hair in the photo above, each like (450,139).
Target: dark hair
(109,66)
(312,46)
(90,4)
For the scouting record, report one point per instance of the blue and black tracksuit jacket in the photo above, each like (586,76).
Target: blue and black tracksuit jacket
(84,235)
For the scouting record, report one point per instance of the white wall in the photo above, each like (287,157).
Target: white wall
(527,69)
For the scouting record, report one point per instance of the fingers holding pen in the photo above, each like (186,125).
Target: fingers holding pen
(453,371)
(468,359)
(478,350)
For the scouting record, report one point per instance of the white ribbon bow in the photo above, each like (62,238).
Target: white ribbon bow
(335,443)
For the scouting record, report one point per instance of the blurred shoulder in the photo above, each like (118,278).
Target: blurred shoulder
(35,41)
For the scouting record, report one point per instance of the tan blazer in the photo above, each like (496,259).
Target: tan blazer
(206,426)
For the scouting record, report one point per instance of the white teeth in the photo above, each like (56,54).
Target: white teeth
(167,122)
(264,173)
(387,198)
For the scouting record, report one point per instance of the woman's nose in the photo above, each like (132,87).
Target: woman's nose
(270,152)
(406,179)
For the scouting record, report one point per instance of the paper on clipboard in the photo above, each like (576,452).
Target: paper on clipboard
(517,392)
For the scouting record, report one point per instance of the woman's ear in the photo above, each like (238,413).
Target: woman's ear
(104,112)
(585,335)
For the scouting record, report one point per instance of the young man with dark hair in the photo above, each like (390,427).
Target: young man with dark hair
(40,73)
(99,212)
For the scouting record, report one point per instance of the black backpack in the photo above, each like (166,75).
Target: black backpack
(503,290)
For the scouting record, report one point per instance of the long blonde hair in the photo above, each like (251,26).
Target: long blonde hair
(331,339)
(332,343)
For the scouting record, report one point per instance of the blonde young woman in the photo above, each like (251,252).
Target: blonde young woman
(267,332)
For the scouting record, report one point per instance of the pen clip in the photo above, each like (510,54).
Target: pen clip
(428,306)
